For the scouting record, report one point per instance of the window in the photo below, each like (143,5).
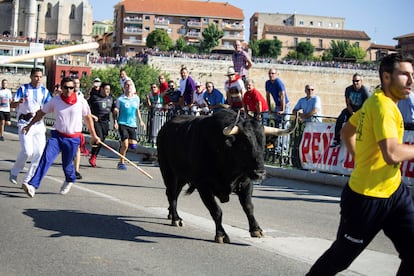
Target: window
(147,28)
(357,44)
(320,24)
(321,43)
(182,21)
(49,10)
(62,73)
(301,22)
(308,40)
(295,41)
(146,17)
(72,12)
(311,23)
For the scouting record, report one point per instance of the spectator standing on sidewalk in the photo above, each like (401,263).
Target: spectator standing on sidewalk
(101,105)
(241,61)
(235,89)
(375,199)
(5,100)
(69,109)
(310,105)
(126,113)
(254,102)
(406,107)
(214,98)
(276,88)
(355,96)
(187,87)
(29,98)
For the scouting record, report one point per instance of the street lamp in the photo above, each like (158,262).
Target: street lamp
(37,28)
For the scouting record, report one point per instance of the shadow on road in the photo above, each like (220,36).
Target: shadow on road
(79,224)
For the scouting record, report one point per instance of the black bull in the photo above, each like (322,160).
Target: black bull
(216,155)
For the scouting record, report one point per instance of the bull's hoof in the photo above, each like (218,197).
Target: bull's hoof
(257,234)
(222,239)
(177,223)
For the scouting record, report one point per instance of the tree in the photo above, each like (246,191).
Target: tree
(343,50)
(211,36)
(180,44)
(305,50)
(355,52)
(141,74)
(270,48)
(159,39)
(254,46)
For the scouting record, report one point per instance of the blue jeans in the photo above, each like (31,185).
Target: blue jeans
(55,145)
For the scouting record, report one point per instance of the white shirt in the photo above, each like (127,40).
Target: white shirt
(68,118)
(5,98)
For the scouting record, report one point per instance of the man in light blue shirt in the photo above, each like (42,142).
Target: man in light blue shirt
(310,105)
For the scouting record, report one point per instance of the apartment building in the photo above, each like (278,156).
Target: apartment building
(135,20)
(291,29)
(405,43)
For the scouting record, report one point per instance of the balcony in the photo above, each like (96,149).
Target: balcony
(132,30)
(134,42)
(193,34)
(235,26)
(161,22)
(233,37)
(194,24)
(133,19)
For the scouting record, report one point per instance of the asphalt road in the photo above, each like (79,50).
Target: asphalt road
(115,223)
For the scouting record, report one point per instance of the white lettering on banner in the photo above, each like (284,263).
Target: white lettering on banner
(315,152)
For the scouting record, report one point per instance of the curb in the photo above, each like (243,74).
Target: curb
(307,176)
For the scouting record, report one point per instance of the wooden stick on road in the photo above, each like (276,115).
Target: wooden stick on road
(129,161)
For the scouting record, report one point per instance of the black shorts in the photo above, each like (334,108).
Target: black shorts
(4,116)
(126,132)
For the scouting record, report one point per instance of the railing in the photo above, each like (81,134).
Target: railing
(282,151)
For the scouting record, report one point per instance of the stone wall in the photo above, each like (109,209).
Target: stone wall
(329,83)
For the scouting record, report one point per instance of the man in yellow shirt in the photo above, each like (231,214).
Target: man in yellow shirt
(375,199)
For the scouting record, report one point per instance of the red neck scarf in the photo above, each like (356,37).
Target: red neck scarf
(69,100)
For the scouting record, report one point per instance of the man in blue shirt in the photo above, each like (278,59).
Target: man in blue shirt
(213,97)
(310,105)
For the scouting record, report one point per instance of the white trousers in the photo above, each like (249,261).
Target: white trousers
(32,146)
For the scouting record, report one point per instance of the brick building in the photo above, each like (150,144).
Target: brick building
(291,29)
(135,20)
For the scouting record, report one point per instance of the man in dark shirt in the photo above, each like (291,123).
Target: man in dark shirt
(355,96)
(102,105)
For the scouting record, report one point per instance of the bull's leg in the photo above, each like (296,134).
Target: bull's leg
(245,197)
(216,213)
(173,191)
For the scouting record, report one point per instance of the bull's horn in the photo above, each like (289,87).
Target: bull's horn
(230,130)
(282,132)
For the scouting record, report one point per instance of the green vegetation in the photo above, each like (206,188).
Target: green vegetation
(142,75)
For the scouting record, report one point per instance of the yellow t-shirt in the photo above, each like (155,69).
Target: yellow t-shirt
(378,119)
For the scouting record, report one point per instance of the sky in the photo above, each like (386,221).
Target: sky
(381,20)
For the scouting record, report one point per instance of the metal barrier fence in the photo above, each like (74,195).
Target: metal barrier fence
(282,151)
